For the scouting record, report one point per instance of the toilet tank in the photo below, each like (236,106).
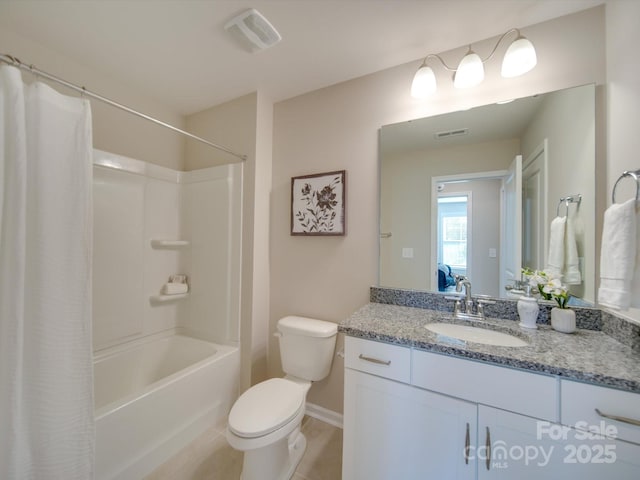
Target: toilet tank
(306,346)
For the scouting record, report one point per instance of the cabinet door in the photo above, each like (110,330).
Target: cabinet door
(529,449)
(395,431)
(514,446)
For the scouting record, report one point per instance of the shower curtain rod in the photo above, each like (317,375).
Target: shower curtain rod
(30,68)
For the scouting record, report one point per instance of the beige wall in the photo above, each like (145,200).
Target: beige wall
(337,128)
(232,124)
(114,130)
(261,245)
(406,206)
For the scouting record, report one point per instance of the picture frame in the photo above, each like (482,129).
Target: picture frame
(318,204)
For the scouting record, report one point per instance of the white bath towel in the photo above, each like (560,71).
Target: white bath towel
(571,272)
(618,257)
(555,261)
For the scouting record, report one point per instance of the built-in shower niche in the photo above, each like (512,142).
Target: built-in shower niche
(151,222)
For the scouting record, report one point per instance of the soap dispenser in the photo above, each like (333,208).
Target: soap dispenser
(528,309)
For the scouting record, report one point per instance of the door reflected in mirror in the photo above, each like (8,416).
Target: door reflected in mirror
(429,165)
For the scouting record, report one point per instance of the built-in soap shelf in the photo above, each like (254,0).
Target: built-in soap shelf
(155,299)
(169,244)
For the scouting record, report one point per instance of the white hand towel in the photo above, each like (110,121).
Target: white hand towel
(571,274)
(618,256)
(555,262)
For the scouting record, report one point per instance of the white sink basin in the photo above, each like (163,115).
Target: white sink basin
(476,334)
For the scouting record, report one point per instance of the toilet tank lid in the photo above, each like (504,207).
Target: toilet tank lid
(309,327)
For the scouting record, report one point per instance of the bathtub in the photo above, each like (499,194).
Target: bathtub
(154,396)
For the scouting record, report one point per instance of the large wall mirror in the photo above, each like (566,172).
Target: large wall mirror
(474,192)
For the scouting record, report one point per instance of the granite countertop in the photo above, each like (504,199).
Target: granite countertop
(586,355)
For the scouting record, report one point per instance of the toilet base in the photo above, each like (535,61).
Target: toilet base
(278,461)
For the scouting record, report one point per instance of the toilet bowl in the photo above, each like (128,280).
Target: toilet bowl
(265,421)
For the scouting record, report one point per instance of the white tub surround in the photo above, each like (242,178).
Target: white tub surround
(152,222)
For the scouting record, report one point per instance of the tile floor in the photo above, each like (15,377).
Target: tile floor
(209,457)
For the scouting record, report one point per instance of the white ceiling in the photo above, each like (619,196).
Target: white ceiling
(178,52)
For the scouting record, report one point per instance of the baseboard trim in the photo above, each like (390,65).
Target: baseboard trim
(324,414)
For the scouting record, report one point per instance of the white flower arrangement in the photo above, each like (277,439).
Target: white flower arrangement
(548,287)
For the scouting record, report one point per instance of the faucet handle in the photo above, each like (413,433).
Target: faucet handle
(457,298)
(482,303)
(456,306)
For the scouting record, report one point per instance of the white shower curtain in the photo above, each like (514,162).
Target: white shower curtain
(46,376)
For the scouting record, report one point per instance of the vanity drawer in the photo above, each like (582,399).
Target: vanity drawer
(529,394)
(382,359)
(580,400)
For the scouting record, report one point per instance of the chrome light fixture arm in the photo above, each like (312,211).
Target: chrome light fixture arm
(433,55)
(495,48)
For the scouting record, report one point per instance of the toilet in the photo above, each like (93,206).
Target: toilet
(265,421)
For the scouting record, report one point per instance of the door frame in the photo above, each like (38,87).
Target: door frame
(492,174)
(540,152)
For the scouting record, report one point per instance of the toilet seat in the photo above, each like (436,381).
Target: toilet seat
(266,407)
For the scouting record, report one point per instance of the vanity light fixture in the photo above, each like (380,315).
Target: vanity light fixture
(519,58)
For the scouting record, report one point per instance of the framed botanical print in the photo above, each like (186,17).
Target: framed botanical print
(318,204)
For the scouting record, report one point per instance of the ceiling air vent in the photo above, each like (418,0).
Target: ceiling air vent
(253,30)
(451,133)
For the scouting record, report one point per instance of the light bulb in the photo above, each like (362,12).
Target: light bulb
(424,82)
(519,58)
(470,72)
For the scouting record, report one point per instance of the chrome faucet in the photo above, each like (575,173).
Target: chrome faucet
(462,281)
(468,313)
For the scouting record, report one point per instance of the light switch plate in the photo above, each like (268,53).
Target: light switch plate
(407,252)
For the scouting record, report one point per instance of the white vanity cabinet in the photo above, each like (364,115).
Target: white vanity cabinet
(393,430)
(618,420)
(410,414)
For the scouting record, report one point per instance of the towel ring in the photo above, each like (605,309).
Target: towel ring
(635,174)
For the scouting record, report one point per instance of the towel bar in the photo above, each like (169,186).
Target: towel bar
(574,198)
(635,174)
